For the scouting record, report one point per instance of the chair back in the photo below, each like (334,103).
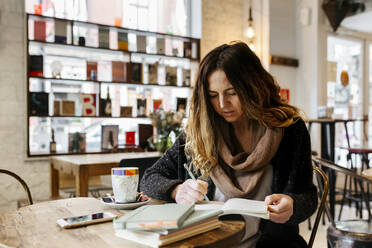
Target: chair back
(322,192)
(19,179)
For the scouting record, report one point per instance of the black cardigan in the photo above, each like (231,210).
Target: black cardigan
(292,175)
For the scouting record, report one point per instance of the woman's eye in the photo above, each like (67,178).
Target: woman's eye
(212,96)
(231,94)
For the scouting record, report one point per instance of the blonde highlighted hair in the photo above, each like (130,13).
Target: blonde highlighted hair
(257,91)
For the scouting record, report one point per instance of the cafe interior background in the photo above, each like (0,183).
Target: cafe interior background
(293,39)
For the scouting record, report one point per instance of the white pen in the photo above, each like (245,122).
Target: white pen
(193,178)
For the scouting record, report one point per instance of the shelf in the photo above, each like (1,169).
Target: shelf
(97,117)
(116,27)
(109,49)
(109,82)
(46,154)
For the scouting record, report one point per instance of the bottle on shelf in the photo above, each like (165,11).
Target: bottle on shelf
(53,144)
(108,106)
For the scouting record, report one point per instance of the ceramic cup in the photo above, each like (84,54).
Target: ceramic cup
(124,183)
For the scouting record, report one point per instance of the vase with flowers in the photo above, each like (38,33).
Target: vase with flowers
(168,125)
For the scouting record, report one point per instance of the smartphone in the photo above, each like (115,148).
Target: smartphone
(85,220)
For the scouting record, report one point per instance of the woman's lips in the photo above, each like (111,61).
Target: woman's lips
(228,113)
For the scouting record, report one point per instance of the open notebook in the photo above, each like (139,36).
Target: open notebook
(238,206)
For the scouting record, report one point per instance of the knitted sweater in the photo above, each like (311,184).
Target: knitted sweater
(292,175)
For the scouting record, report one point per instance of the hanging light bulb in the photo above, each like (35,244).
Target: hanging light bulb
(251,46)
(250,30)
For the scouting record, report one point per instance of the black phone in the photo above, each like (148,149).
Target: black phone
(85,220)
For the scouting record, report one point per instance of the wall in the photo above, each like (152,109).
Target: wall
(13,110)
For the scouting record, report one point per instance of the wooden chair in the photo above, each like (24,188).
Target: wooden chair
(351,232)
(322,183)
(19,179)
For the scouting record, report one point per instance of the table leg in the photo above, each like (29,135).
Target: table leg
(54,180)
(81,180)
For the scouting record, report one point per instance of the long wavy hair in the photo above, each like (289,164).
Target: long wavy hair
(258,94)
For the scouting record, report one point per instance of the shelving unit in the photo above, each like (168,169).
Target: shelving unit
(72,81)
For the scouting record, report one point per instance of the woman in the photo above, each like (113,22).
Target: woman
(246,142)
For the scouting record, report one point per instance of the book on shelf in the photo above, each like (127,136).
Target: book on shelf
(56,108)
(136,72)
(68,108)
(105,105)
(171,75)
(103,37)
(156,103)
(126,111)
(199,221)
(194,50)
(39,103)
(88,104)
(153,73)
(60,31)
(141,107)
(40,30)
(130,138)
(160,46)
(145,131)
(76,142)
(36,66)
(141,43)
(92,70)
(187,49)
(109,137)
(181,103)
(155,217)
(119,71)
(186,77)
(239,206)
(122,40)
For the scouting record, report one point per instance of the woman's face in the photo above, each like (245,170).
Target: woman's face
(223,97)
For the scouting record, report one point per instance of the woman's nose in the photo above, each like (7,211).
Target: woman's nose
(222,101)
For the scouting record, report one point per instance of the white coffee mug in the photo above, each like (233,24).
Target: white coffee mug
(125,183)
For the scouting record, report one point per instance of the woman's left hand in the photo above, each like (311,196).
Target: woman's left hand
(280,207)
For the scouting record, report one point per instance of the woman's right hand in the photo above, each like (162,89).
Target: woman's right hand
(190,191)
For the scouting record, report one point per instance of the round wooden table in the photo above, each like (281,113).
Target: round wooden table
(35,226)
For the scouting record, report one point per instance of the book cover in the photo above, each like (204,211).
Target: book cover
(68,108)
(153,73)
(109,137)
(160,46)
(60,31)
(136,72)
(92,70)
(171,75)
(39,103)
(103,37)
(76,142)
(123,41)
(156,104)
(88,104)
(141,107)
(130,138)
(153,217)
(194,50)
(181,103)
(119,71)
(186,77)
(239,206)
(125,111)
(145,131)
(187,50)
(141,43)
(57,108)
(40,30)
(36,66)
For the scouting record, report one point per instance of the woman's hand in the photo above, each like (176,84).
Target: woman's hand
(190,191)
(280,207)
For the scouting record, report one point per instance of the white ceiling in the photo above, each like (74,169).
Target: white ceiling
(361,22)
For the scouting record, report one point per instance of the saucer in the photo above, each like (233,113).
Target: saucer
(125,206)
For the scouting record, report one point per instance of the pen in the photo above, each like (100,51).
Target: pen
(193,178)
